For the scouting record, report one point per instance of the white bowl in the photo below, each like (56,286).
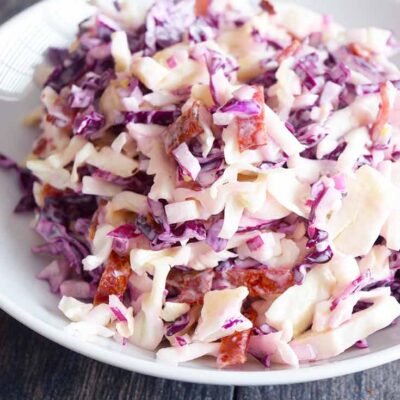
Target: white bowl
(29,300)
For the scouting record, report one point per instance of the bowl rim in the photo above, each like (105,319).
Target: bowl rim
(181,372)
(206,376)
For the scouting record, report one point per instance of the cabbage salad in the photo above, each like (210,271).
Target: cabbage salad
(220,177)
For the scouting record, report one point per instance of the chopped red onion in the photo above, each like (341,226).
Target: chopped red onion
(255,243)
(362,344)
(228,324)
(118,314)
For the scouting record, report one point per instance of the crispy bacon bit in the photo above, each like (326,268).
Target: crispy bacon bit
(259,282)
(65,115)
(384,112)
(95,219)
(114,279)
(50,191)
(40,146)
(267,6)
(359,51)
(252,130)
(201,8)
(233,350)
(289,51)
(185,128)
(190,286)
(93,225)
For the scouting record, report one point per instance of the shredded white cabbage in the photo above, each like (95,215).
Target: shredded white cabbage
(172,311)
(369,201)
(176,355)
(359,326)
(101,248)
(221,316)
(120,51)
(74,309)
(318,285)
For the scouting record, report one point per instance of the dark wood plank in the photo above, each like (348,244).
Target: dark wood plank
(380,383)
(32,367)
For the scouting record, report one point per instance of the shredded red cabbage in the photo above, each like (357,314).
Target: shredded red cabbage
(26,180)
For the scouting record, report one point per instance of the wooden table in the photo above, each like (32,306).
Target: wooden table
(32,367)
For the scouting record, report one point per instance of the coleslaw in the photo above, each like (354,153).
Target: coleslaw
(221,178)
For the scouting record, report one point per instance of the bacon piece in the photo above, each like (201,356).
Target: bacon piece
(51,191)
(114,279)
(233,350)
(384,112)
(95,219)
(185,128)
(267,6)
(259,282)
(359,51)
(289,50)
(252,130)
(191,285)
(40,146)
(201,7)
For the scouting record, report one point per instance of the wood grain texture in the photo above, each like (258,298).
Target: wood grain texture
(380,383)
(32,367)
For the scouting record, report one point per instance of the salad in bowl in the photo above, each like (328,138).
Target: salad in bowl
(219,177)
